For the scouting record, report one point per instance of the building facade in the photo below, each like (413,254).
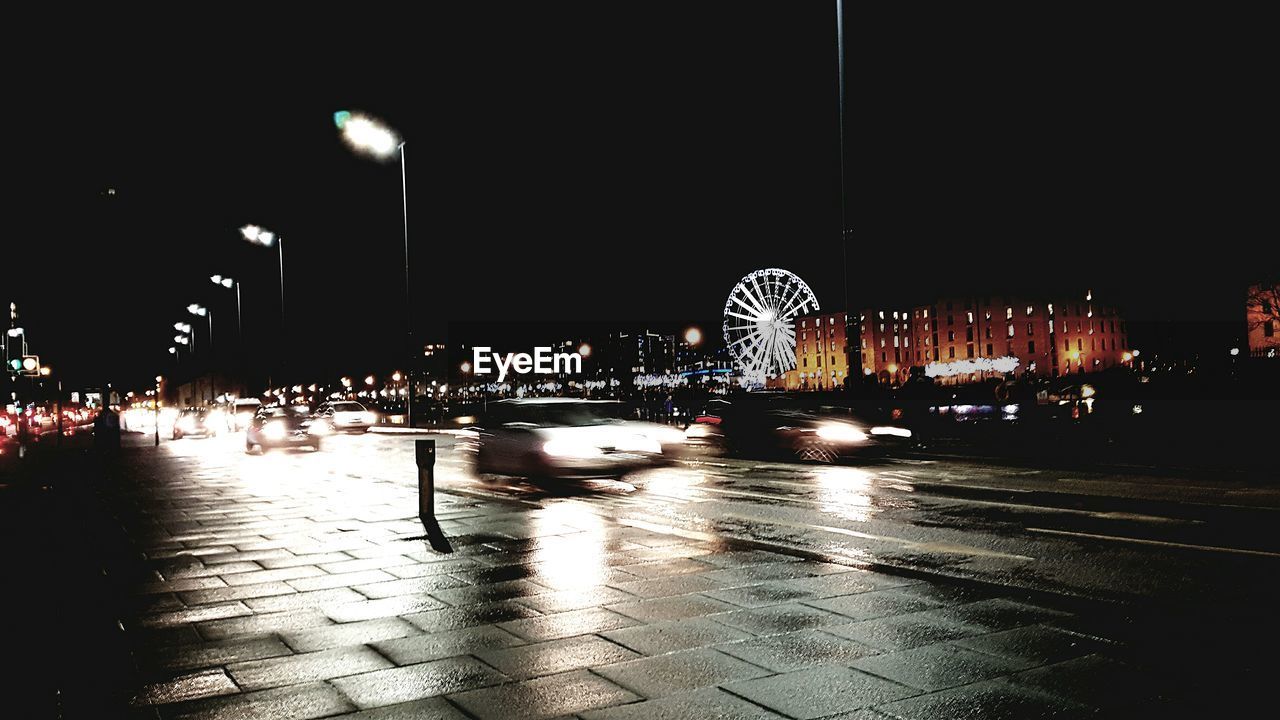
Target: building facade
(969,339)
(1262,317)
(822,360)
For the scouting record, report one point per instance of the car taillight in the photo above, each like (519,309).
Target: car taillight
(708,419)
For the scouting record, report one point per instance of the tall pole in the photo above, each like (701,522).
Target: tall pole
(239,327)
(156,405)
(849,341)
(408,308)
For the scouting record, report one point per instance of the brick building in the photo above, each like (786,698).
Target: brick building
(1262,315)
(822,360)
(967,339)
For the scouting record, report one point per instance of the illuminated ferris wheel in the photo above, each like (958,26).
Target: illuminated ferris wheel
(758,322)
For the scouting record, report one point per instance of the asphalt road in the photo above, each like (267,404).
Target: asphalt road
(1100,536)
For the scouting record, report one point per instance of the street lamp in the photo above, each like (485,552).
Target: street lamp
(228,283)
(693,336)
(266,238)
(196,309)
(370,137)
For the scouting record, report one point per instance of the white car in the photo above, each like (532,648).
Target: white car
(347,416)
(567,437)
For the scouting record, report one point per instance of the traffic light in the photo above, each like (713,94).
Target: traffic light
(15,365)
(30,365)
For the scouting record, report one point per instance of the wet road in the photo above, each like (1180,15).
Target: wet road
(1104,536)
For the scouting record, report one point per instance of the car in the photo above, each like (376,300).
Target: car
(196,421)
(279,426)
(566,437)
(781,425)
(347,415)
(241,413)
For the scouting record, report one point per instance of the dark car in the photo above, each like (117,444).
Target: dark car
(779,425)
(283,426)
(195,421)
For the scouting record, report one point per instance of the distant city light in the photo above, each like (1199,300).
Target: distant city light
(584,350)
(1004,364)
(395,376)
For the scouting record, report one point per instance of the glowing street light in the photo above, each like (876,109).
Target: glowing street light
(584,350)
(228,283)
(370,137)
(182,327)
(366,135)
(693,336)
(395,376)
(465,367)
(368,380)
(261,236)
(201,311)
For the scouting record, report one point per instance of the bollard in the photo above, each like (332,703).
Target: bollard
(425,451)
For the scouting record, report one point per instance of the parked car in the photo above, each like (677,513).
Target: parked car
(780,425)
(347,416)
(567,437)
(284,426)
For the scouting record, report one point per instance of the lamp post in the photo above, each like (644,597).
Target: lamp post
(368,136)
(261,236)
(202,311)
(228,283)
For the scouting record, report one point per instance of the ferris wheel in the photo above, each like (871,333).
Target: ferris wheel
(758,322)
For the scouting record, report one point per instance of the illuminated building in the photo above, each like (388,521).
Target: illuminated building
(974,338)
(822,361)
(969,339)
(1262,313)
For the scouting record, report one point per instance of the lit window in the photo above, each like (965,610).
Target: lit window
(1008,313)
(881,342)
(895,341)
(1030,309)
(926,312)
(895,314)
(804,323)
(881,314)
(988,314)
(1050,308)
(1010,329)
(970,314)
(1050,327)
(926,327)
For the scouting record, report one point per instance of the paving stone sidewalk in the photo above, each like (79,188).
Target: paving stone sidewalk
(282,597)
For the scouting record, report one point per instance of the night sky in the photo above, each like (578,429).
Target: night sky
(616,167)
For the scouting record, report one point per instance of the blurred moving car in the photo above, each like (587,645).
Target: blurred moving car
(241,413)
(782,425)
(567,437)
(197,421)
(284,426)
(347,415)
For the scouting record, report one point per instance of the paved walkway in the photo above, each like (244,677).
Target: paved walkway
(280,596)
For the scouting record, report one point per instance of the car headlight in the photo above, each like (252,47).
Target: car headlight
(666,435)
(889,430)
(187,424)
(840,432)
(318,427)
(275,430)
(370,418)
(570,449)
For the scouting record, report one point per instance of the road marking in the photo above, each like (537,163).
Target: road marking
(1163,543)
(908,544)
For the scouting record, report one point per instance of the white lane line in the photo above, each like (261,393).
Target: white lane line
(907,544)
(1162,543)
